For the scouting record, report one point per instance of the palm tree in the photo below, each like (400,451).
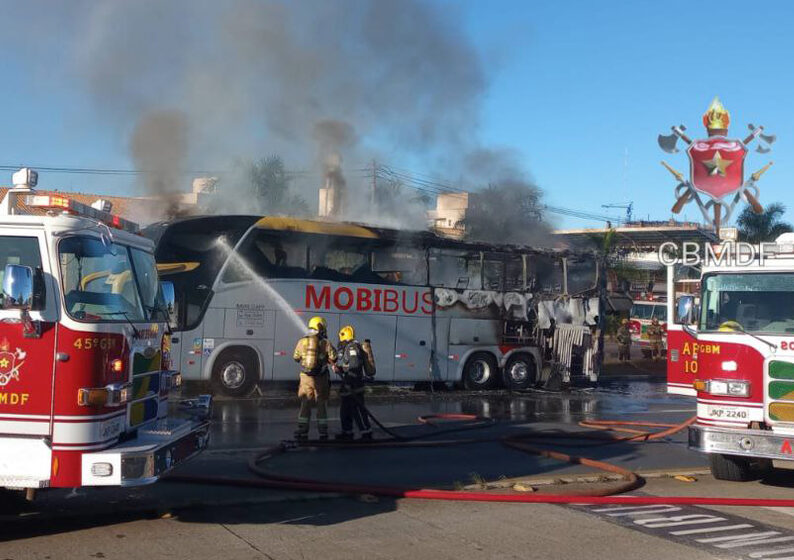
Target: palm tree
(760,228)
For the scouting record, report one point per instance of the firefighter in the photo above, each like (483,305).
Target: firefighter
(624,341)
(356,365)
(655,339)
(315,354)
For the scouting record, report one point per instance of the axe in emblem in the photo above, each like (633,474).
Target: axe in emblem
(765,140)
(668,142)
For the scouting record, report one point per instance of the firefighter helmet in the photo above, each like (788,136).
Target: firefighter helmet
(347,333)
(318,324)
(624,322)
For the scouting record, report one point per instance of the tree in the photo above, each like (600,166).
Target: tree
(767,226)
(506,213)
(269,185)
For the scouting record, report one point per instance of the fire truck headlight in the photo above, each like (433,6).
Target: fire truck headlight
(726,388)
(739,388)
(102,469)
(111,395)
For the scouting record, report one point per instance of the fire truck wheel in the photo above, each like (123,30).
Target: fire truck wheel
(481,371)
(731,467)
(235,372)
(520,372)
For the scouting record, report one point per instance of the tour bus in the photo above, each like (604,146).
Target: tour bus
(435,309)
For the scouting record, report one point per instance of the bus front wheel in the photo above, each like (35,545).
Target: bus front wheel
(480,372)
(235,372)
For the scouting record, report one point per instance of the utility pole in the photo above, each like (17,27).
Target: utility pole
(372,193)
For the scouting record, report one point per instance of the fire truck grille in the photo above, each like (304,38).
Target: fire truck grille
(781,391)
(146,378)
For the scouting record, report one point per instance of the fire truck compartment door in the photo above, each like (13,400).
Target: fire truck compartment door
(681,367)
(27,364)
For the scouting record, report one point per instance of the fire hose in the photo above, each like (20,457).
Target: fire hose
(524,442)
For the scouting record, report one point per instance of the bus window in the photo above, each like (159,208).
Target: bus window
(343,261)
(493,268)
(269,256)
(546,274)
(400,265)
(514,273)
(581,274)
(455,269)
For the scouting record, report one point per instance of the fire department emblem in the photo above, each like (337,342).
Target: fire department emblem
(10,362)
(716,166)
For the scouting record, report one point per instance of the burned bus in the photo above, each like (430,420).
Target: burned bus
(436,309)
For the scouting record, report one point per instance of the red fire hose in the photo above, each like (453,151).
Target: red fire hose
(631,480)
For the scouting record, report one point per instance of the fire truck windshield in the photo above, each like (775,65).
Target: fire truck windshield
(757,303)
(107,282)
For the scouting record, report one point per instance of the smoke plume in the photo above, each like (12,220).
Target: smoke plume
(328,85)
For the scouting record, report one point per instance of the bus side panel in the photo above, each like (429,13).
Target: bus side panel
(442,366)
(380,329)
(680,374)
(189,348)
(412,351)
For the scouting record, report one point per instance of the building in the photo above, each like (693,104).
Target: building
(448,219)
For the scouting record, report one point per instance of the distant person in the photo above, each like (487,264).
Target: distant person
(315,354)
(655,338)
(624,341)
(356,364)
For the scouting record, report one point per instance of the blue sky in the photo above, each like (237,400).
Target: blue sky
(575,87)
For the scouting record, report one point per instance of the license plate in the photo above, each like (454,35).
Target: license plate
(727,412)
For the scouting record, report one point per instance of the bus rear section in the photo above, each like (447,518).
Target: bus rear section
(84,352)
(436,310)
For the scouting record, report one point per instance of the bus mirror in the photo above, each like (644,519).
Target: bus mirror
(169,300)
(18,287)
(685,308)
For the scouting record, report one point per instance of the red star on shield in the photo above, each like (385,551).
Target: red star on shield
(716,165)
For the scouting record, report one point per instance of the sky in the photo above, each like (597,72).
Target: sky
(578,90)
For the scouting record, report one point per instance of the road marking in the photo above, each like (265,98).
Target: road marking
(722,534)
(786,510)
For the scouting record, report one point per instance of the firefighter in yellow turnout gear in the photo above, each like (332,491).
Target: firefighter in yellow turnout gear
(655,339)
(356,363)
(315,354)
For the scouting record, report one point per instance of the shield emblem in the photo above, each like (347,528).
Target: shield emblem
(7,371)
(716,165)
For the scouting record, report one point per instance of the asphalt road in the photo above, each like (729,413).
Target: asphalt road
(176,521)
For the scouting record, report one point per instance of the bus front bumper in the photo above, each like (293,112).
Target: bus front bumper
(741,442)
(155,451)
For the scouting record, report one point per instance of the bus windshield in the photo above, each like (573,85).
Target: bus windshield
(760,303)
(107,281)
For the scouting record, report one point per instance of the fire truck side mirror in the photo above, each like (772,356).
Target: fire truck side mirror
(169,300)
(18,287)
(685,308)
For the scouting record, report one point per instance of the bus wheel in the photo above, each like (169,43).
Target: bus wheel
(480,371)
(235,372)
(520,372)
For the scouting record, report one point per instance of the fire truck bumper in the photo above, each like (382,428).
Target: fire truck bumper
(154,452)
(743,442)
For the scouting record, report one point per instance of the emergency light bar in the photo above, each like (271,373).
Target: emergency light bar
(54,202)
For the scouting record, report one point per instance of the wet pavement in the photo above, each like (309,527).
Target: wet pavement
(175,521)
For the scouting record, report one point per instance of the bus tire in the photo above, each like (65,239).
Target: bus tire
(235,372)
(520,372)
(480,372)
(730,467)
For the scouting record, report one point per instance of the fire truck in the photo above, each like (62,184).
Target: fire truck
(734,351)
(84,349)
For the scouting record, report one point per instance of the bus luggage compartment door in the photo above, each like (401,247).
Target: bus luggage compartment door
(412,350)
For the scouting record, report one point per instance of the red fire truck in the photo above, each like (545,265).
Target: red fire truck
(84,349)
(734,351)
